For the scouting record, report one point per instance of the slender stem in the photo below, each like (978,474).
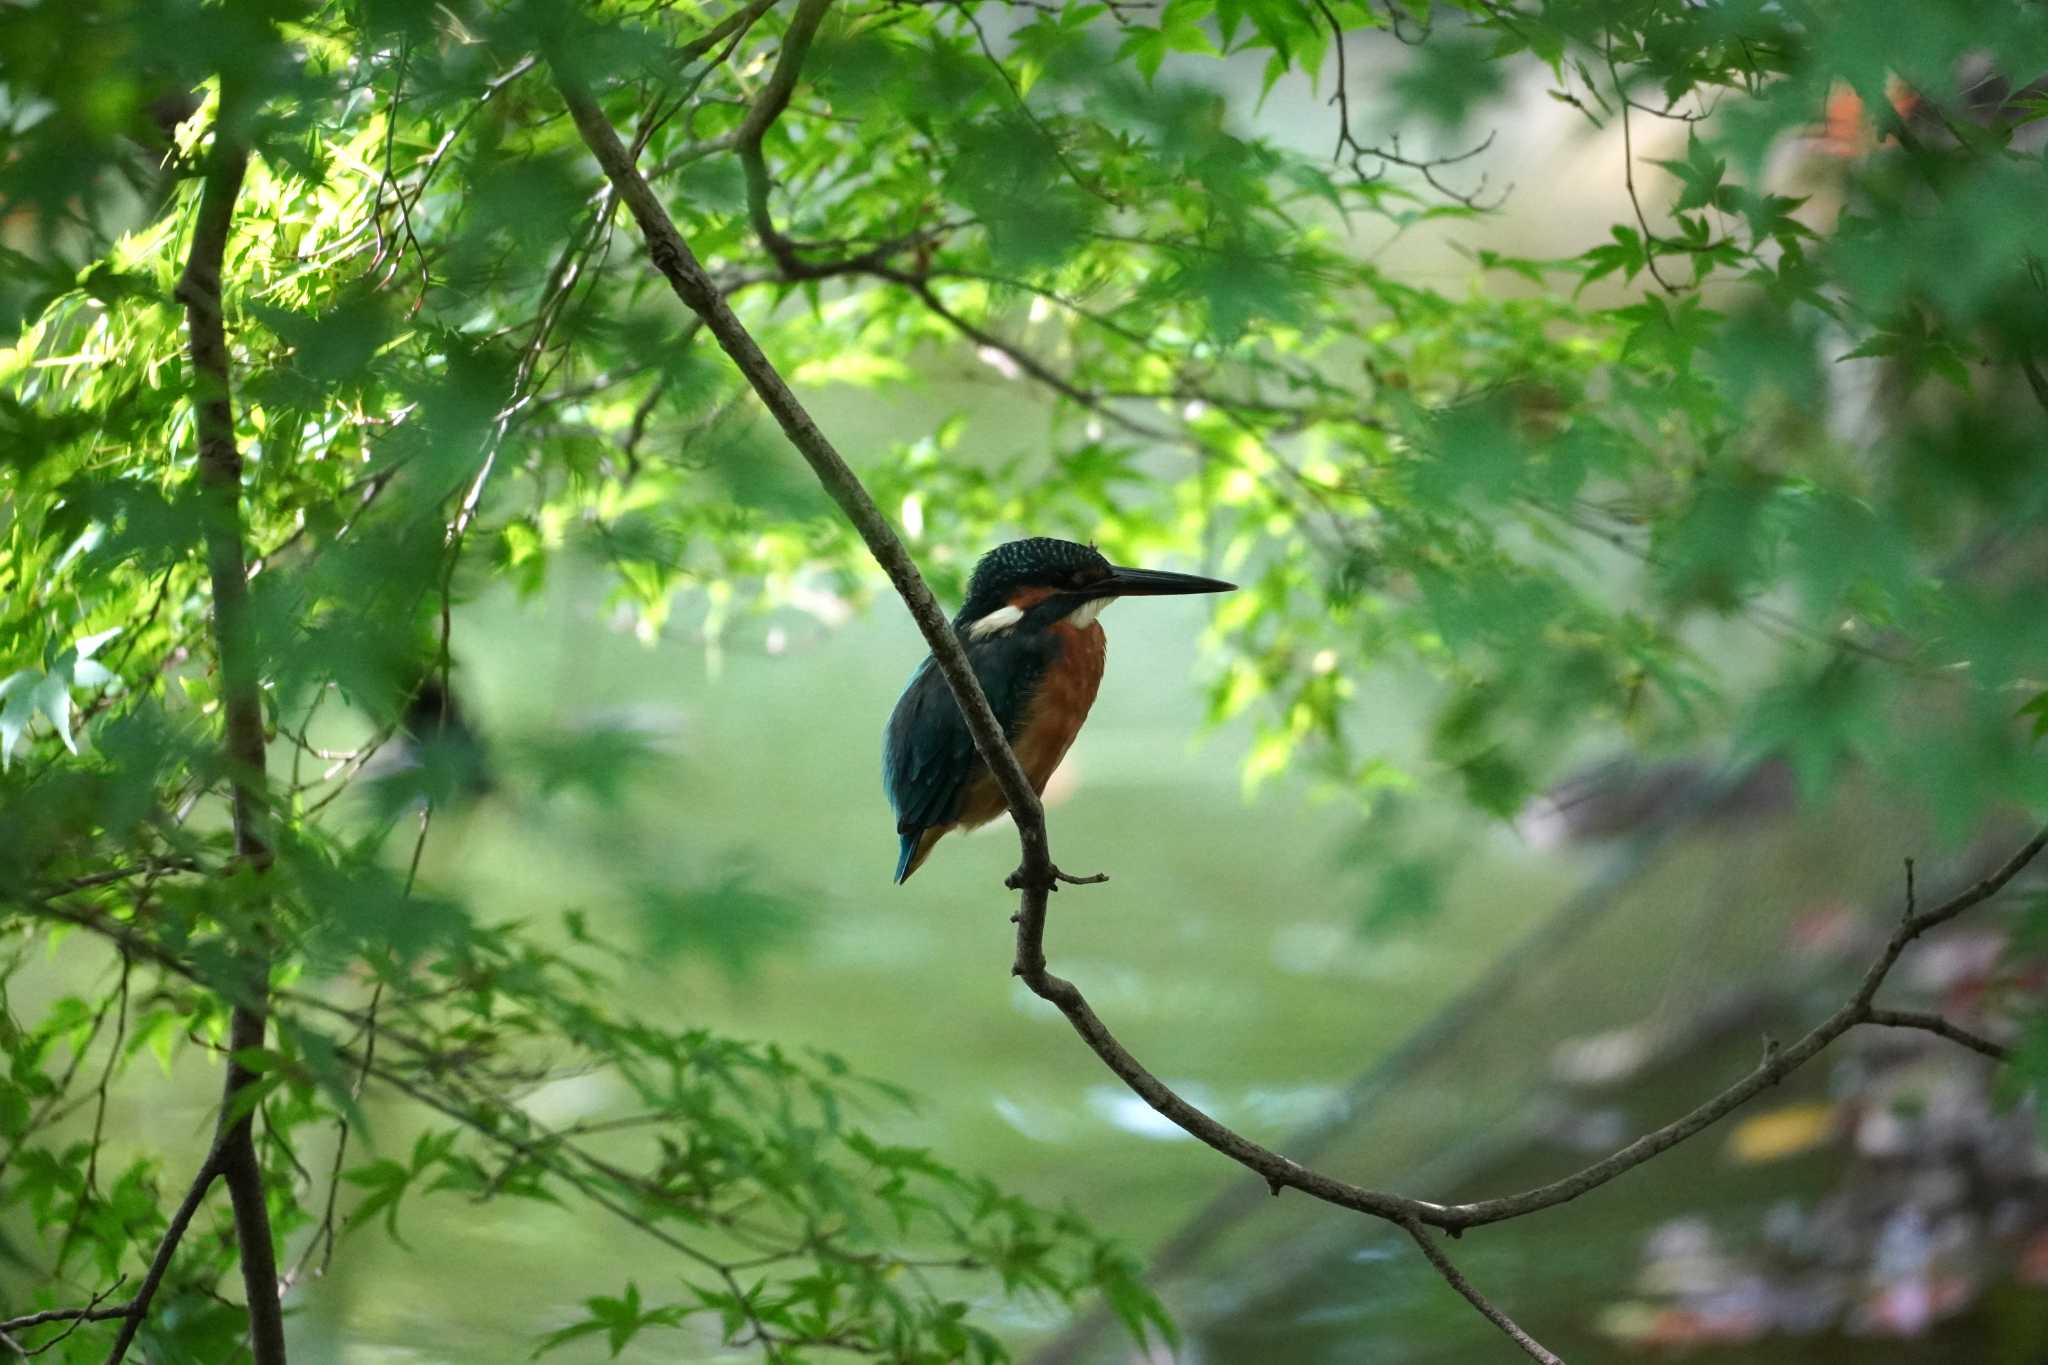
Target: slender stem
(174,1232)
(723,29)
(90,1313)
(1534,1349)
(1628,174)
(1934,1023)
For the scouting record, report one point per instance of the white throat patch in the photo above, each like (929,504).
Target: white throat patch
(1083,616)
(996,622)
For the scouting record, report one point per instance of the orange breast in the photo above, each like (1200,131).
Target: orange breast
(1064,696)
(1062,703)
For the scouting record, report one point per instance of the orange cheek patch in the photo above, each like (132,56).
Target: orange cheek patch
(1024,599)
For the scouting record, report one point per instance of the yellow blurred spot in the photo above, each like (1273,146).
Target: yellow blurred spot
(862,369)
(1789,1131)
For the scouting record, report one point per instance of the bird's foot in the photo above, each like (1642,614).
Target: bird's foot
(1020,879)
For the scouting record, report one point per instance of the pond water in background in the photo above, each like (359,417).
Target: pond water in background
(1225,953)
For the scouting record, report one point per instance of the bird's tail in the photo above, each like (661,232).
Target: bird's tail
(915,846)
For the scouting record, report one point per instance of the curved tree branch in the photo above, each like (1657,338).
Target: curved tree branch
(1037,876)
(774,98)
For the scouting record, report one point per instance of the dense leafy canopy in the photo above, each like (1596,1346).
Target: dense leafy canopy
(1756,464)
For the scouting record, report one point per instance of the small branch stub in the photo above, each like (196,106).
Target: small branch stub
(1023,880)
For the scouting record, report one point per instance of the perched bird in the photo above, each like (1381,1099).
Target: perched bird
(1030,631)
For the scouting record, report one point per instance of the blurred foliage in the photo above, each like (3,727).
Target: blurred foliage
(1553,491)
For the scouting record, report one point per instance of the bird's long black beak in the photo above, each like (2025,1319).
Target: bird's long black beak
(1154,583)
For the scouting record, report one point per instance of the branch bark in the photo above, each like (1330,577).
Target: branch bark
(233,1157)
(1037,876)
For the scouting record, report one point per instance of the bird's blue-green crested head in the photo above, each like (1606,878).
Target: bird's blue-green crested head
(1032,583)
(1038,563)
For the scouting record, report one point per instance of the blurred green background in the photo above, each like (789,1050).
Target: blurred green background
(1571,989)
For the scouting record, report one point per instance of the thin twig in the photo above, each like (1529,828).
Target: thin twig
(1456,1279)
(91,1189)
(152,869)
(1934,1023)
(404,209)
(1628,174)
(1023,360)
(92,1312)
(324,1236)
(137,1308)
(774,98)
(736,22)
(1017,97)
(1358,153)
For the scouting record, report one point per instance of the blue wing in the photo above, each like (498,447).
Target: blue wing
(928,757)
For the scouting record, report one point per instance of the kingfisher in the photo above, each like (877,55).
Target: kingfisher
(1029,628)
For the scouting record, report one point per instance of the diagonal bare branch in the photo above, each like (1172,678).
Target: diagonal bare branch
(92,1312)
